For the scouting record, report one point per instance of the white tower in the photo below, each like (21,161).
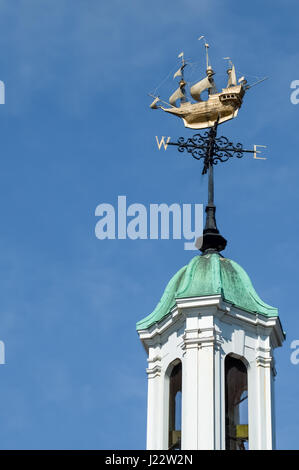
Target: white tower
(210,344)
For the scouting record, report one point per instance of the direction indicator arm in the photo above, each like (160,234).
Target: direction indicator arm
(200,145)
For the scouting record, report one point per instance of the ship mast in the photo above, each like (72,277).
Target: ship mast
(180,92)
(182,82)
(209,71)
(207,55)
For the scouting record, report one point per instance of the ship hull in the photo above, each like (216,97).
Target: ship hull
(223,106)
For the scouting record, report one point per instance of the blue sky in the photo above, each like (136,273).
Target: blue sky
(76,131)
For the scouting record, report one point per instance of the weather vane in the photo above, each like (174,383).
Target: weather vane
(207,114)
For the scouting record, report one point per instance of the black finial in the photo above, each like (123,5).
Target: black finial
(212,240)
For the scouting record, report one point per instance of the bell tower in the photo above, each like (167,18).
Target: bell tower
(210,340)
(210,344)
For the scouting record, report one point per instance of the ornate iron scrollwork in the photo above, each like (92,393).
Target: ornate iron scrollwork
(213,150)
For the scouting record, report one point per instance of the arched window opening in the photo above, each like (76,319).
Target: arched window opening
(175,407)
(236,404)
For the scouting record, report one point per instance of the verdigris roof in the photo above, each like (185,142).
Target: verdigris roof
(210,274)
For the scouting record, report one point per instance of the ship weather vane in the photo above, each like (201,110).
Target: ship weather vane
(207,114)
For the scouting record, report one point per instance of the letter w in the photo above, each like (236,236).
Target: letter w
(162,142)
(171,459)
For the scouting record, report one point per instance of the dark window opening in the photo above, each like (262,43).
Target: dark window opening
(175,407)
(236,404)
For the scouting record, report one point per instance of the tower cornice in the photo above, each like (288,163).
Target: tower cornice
(211,306)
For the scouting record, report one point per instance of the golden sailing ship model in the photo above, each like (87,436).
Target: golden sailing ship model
(221,106)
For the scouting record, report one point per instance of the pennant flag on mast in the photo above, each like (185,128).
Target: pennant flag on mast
(178,73)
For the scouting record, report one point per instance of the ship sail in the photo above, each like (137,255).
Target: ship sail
(154,103)
(178,94)
(232,79)
(199,87)
(178,73)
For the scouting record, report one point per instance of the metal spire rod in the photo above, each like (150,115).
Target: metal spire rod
(212,240)
(209,162)
(211,149)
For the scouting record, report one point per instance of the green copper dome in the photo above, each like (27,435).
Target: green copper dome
(210,274)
